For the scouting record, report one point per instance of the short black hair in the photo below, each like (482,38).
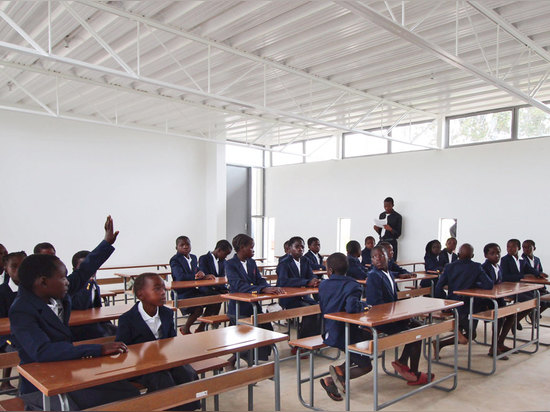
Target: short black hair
(382,249)
(429,246)
(370,237)
(139,282)
(183,239)
(286,244)
(35,266)
(295,239)
(224,245)
(516,241)
(353,247)
(532,242)
(488,247)
(79,255)
(12,255)
(311,240)
(389,199)
(41,246)
(385,245)
(338,262)
(241,240)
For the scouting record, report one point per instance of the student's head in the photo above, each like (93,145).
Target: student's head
(286,247)
(44,275)
(379,257)
(492,253)
(44,248)
(296,247)
(314,244)
(528,247)
(183,245)
(433,247)
(512,247)
(466,252)
(450,244)
(243,245)
(150,289)
(369,242)
(12,261)
(3,252)
(78,258)
(389,249)
(388,205)
(222,249)
(353,248)
(337,264)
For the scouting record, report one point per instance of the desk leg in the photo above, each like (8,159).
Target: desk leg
(471,332)
(255,311)
(64,401)
(237,314)
(125,294)
(277,379)
(455,383)
(347,368)
(495,336)
(45,402)
(375,368)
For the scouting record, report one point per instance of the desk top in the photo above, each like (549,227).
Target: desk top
(53,378)
(395,311)
(263,266)
(185,284)
(419,276)
(501,290)
(539,281)
(164,265)
(257,297)
(135,275)
(409,263)
(319,272)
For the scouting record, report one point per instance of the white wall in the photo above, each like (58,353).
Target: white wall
(496,191)
(61,178)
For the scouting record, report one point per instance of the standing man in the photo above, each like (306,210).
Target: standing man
(392,229)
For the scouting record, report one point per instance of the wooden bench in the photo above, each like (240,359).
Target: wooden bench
(198,301)
(413,293)
(188,392)
(309,343)
(214,320)
(489,315)
(283,315)
(12,404)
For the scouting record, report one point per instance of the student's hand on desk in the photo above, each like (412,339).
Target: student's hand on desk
(544,275)
(313,283)
(407,275)
(210,277)
(110,234)
(274,290)
(199,275)
(113,348)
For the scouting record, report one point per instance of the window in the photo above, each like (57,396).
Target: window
(245,156)
(533,122)
(320,149)
(480,128)
(344,234)
(269,232)
(288,155)
(447,229)
(356,144)
(257,209)
(420,133)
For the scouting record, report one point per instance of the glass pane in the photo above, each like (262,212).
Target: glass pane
(257,234)
(533,122)
(257,198)
(320,149)
(270,239)
(480,128)
(421,133)
(344,233)
(447,229)
(285,158)
(398,147)
(245,156)
(356,144)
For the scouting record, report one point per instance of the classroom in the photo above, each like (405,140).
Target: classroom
(280,119)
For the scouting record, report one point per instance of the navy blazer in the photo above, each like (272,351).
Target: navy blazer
(433,262)
(395,221)
(355,269)
(182,271)
(538,265)
(365,257)
(313,260)
(133,329)
(510,272)
(288,276)
(6,277)
(490,270)
(339,294)
(7,296)
(393,267)
(39,334)
(243,282)
(206,264)
(82,299)
(444,257)
(379,288)
(462,274)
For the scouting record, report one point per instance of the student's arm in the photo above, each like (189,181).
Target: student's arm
(507,275)
(443,280)
(284,278)
(483,280)
(396,227)
(124,331)
(528,269)
(374,289)
(178,272)
(239,284)
(353,301)
(204,266)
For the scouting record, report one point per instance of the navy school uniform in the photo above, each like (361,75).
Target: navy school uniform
(536,262)
(355,269)
(5,277)
(444,257)
(208,266)
(496,276)
(395,220)
(249,281)
(431,262)
(181,271)
(511,273)
(132,329)
(315,259)
(41,336)
(365,257)
(7,296)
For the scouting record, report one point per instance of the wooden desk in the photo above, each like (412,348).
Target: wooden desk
(186,284)
(58,378)
(158,266)
(267,266)
(413,264)
(538,281)
(501,290)
(126,276)
(388,313)
(320,272)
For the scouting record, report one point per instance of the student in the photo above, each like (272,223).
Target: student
(393,267)
(44,248)
(365,253)
(448,254)
(213,264)
(87,298)
(184,267)
(243,276)
(150,320)
(355,269)
(529,248)
(286,248)
(296,272)
(392,229)
(432,257)
(341,293)
(4,277)
(315,258)
(8,293)
(39,319)
(381,288)
(463,274)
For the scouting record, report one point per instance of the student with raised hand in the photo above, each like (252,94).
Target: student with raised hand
(355,269)
(448,255)
(365,253)
(381,288)
(150,320)
(44,248)
(315,258)
(4,277)
(39,319)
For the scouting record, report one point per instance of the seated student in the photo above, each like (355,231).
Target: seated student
(286,248)
(213,264)
(150,320)
(365,253)
(448,254)
(340,293)
(184,267)
(44,248)
(87,298)
(381,288)
(393,267)
(296,272)
(315,258)
(39,319)
(431,258)
(4,277)
(355,269)
(459,275)
(8,293)
(528,255)
(243,276)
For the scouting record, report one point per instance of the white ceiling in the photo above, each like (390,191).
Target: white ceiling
(269,72)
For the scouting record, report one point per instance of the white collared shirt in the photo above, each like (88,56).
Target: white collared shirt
(244,266)
(318,257)
(297,262)
(531,261)
(216,263)
(450,257)
(12,285)
(392,283)
(57,307)
(188,261)
(153,322)
(496,269)
(517,263)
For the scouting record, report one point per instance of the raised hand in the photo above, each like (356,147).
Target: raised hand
(110,234)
